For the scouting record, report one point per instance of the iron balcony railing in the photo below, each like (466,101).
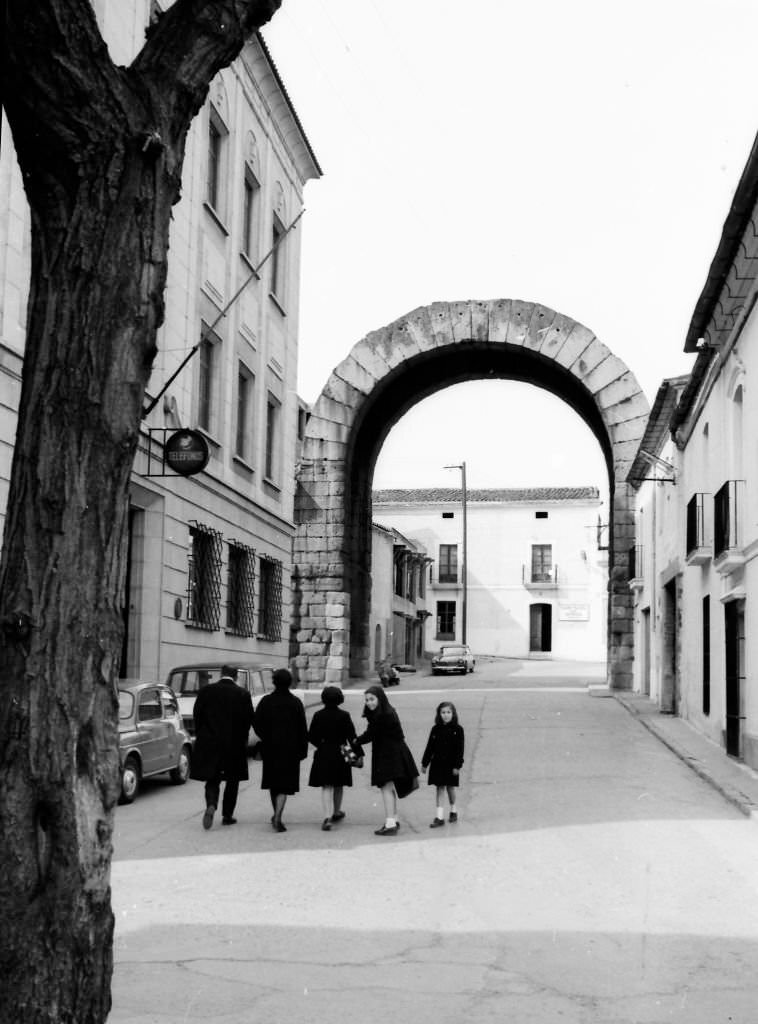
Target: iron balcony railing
(727,517)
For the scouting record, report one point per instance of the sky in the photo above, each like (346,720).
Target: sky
(578,153)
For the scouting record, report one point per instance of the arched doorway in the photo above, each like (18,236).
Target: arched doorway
(385,375)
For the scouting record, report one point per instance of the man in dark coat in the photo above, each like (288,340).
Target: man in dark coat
(223,715)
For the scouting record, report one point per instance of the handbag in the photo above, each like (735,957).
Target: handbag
(350,756)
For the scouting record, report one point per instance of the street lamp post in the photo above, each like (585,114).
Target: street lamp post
(462,467)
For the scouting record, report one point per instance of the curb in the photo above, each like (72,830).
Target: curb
(743,803)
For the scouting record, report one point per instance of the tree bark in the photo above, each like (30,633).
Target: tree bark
(101,151)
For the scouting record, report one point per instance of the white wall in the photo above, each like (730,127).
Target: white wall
(500,538)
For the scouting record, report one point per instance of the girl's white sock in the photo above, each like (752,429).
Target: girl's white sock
(441,813)
(453,809)
(390,823)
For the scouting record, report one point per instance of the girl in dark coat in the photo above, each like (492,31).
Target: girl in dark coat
(330,729)
(444,757)
(393,769)
(280,723)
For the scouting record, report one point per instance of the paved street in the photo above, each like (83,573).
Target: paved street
(593,877)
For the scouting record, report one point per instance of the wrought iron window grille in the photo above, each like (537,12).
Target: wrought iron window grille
(240,589)
(204,577)
(270,609)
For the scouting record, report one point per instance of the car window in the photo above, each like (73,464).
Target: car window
(149,706)
(125,705)
(190,681)
(168,700)
(178,682)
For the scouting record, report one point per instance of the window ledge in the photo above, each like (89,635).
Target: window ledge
(241,463)
(216,218)
(698,556)
(250,265)
(272,484)
(728,561)
(208,437)
(277,302)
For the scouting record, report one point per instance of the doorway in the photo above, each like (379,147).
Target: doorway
(734,640)
(540,628)
(670,656)
(645,644)
(128,607)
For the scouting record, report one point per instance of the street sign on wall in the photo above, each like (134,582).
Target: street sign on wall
(573,612)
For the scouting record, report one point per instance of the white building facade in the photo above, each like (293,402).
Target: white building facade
(536,575)
(398,597)
(655,560)
(699,586)
(209,555)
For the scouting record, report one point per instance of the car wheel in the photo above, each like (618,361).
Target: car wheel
(180,774)
(129,780)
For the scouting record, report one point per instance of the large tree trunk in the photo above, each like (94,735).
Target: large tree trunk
(102,165)
(91,327)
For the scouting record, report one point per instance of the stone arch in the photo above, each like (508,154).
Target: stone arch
(387,373)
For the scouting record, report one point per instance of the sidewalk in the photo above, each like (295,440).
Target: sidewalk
(735,781)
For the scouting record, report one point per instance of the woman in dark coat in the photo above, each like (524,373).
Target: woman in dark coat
(331,728)
(444,757)
(393,769)
(281,726)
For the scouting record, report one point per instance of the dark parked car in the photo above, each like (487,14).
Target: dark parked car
(151,737)
(453,658)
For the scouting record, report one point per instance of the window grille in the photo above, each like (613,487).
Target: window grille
(204,577)
(240,589)
(270,609)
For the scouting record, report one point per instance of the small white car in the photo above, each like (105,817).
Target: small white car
(453,658)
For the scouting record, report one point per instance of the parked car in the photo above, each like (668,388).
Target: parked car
(151,737)
(453,658)
(188,680)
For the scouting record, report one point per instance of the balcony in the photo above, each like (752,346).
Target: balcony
(698,530)
(728,527)
(547,579)
(635,563)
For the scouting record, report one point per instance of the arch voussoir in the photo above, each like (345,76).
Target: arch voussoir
(578,340)
(498,319)
(607,371)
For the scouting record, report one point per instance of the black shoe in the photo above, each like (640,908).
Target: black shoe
(326,825)
(228,821)
(338,816)
(278,826)
(453,816)
(437,823)
(208,817)
(386,830)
